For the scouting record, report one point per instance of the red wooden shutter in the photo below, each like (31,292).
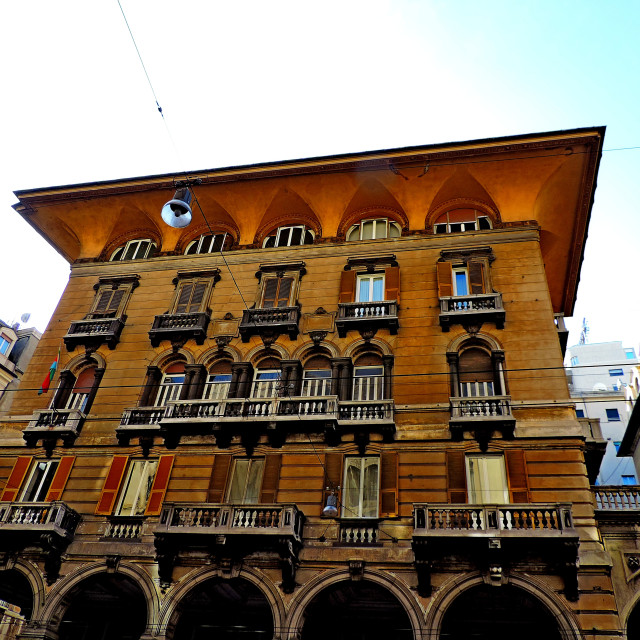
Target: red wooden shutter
(159,487)
(270,478)
(270,293)
(445,279)
(60,479)
(284,292)
(392,283)
(332,475)
(184,297)
(16,477)
(456,477)
(347,286)
(476,276)
(111,485)
(389,485)
(518,477)
(218,481)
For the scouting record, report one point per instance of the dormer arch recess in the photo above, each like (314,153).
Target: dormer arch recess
(208,238)
(136,243)
(462,214)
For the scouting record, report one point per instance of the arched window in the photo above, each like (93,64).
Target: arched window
(209,244)
(289,236)
(477,371)
(374,229)
(76,392)
(266,379)
(170,384)
(458,220)
(316,377)
(138,249)
(218,380)
(81,390)
(368,378)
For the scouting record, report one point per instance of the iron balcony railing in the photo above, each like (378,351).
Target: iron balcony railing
(509,520)
(276,520)
(55,517)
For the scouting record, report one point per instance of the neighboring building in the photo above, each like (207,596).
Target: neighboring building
(599,375)
(331,410)
(16,348)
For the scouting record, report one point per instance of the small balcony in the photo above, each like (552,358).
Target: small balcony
(483,415)
(48,525)
(472,310)
(124,528)
(367,317)
(270,323)
(179,328)
(490,537)
(50,424)
(92,333)
(358,532)
(233,531)
(617,506)
(142,422)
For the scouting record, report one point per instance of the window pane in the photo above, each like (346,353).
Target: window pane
(238,481)
(613,415)
(265,384)
(628,479)
(380,228)
(137,487)
(370,489)
(296,236)
(394,230)
(283,237)
(461,283)
(316,382)
(364,285)
(378,289)
(367,230)
(354,233)
(351,493)
(487,480)
(254,481)
(40,481)
(130,250)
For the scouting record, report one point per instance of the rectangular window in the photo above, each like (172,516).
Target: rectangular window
(112,296)
(277,292)
(579,413)
(217,387)
(613,415)
(460,281)
(628,479)
(616,372)
(169,388)
(246,479)
(487,480)
(266,383)
(630,354)
(316,382)
(361,487)
(5,343)
(574,361)
(191,296)
(39,481)
(368,383)
(136,488)
(370,288)
(617,446)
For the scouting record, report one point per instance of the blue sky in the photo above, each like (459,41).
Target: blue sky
(246,82)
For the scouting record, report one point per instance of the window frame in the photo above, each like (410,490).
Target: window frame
(150,248)
(371,278)
(475,262)
(277,234)
(257,479)
(200,240)
(613,415)
(203,281)
(269,271)
(484,492)
(378,384)
(479,215)
(125,483)
(347,510)
(44,484)
(266,391)
(164,384)
(125,285)
(5,344)
(360,226)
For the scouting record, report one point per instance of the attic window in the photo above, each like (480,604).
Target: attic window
(458,220)
(135,250)
(374,229)
(207,244)
(289,237)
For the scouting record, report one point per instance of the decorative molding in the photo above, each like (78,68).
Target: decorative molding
(370,261)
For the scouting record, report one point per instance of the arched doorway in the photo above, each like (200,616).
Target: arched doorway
(224,610)
(486,612)
(15,589)
(105,607)
(356,610)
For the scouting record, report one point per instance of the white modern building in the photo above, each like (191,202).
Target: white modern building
(599,376)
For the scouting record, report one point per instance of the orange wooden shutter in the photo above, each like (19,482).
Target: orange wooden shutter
(389,485)
(392,283)
(159,487)
(445,279)
(111,485)
(270,478)
(518,477)
(16,477)
(60,478)
(332,475)
(347,286)
(218,481)
(476,276)
(456,477)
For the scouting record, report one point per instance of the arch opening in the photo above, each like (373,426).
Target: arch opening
(356,610)
(224,610)
(15,589)
(105,606)
(486,612)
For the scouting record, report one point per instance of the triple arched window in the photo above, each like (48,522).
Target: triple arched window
(137,249)
(374,229)
(289,236)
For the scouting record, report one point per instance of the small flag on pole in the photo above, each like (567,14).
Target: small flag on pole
(52,372)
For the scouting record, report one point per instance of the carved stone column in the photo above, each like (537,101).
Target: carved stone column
(497,361)
(241,379)
(341,378)
(454,381)
(65,386)
(291,377)
(195,376)
(154,375)
(387,364)
(97,377)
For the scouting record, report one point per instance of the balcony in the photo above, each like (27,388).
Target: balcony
(367,317)
(141,422)
(123,528)
(50,424)
(617,506)
(252,417)
(48,525)
(595,446)
(488,536)
(270,323)
(92,333)
(232,531)
(482,415)
(472,310)
(178,328)
(358,532)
